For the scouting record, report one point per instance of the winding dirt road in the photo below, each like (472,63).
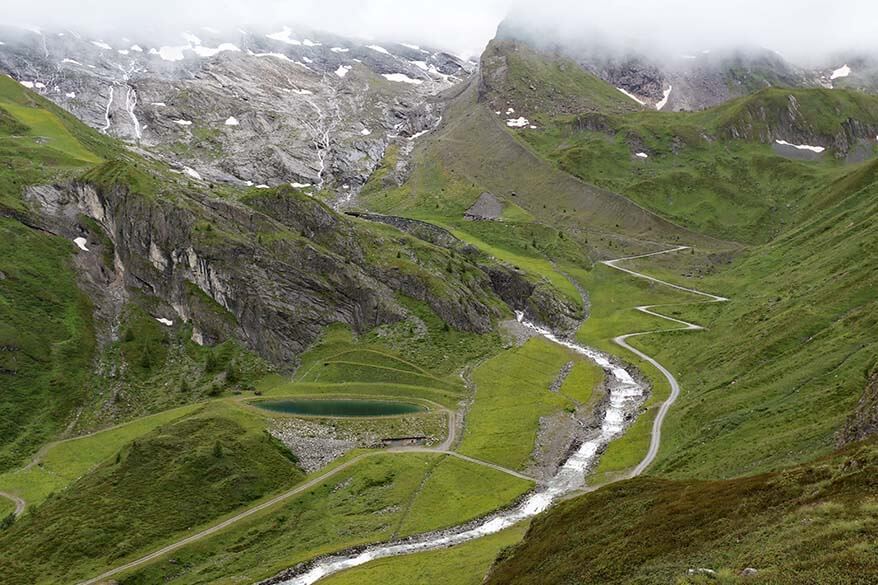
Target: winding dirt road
(656,435)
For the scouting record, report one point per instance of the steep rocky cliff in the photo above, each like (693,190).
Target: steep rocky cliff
(274,267)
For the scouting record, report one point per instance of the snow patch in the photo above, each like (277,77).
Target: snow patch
(365,132)
(641,155)
(417,135)
(284,36)
(122,51)
(517,122)
(302,91)
(231,121)
(402,78)
(192,173)
(664,101)
(300,185)
(632,96)
(421,65)
(102,45)
(81,242)
(263,186)
(27,84)
(510,111)
(342,70)
(275,55)
(164,321)
(378,49)
(339,50)
(210,52)
(159,104)
(802,146)
(183,122)
(170,53)
(136,48)
(842,71)
(70,95)
(310,43)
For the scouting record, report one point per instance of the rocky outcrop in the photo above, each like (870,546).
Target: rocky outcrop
(863,422)
(486,207)
(537,301)
(767,119)
(420,229)
(276,268)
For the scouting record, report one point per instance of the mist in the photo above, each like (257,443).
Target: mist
(800,31)
(803,31)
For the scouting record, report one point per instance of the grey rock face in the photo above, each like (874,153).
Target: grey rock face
(256,107)
(206,258)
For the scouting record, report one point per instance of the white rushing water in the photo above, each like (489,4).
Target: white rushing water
(625,395)
(130,104)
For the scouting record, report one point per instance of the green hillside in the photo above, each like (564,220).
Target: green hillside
(714,171)
(157,486)
(809,524)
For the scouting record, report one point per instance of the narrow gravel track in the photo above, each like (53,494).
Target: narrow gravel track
(285,496)
(656,435)
(19,503)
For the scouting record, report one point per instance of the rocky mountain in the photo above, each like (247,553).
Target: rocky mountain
(687,81)
(246,107)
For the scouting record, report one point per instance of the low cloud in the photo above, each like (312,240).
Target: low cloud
(799,30)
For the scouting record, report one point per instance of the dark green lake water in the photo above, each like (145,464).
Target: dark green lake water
(339,407)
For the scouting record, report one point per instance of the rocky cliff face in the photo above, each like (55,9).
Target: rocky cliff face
(768,117)
(272,269)
(863,422)
(245,107)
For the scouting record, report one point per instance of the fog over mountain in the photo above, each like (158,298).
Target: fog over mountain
(801,32)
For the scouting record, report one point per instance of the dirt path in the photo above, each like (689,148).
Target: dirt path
(285,496)
(19,503)
(656,435)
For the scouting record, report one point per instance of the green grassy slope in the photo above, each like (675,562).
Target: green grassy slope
(810,524)
(784,362)
(477,148)
(513,74)
(45,322)
(160,485)
(47,339)
(378,497)
(512,393)
(713,171)
(57,465)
